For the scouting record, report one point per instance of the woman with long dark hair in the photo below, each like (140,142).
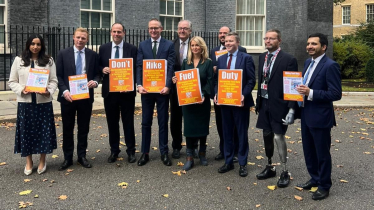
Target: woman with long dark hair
(35,130)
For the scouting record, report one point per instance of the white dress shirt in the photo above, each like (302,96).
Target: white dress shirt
(311,71)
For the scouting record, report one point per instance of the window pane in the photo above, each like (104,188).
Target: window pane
(2,15)
(95,20)
(2,34)
(259,23)
(176,21)
(107,4)
(85,19)
(260,7)
(251,7)
(85,4)
(162,20)
(178,8)
(2,1)
(249,38)
(250,23)
(240,7)
(163,7)
(169,23)
(240,23)
(170,6)
(258,38)
(105,20)
(96,4)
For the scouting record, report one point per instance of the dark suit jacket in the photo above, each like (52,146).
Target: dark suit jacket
(278,107)
(66,67)
(165,51)
(105,52)
(214,62)
(327,87)
(176,42)
(245,62)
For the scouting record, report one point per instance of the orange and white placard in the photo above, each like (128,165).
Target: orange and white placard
(291,80)
(121,77)
(229,87)
(154,75)
(188,87)
(37,80)
(78,87)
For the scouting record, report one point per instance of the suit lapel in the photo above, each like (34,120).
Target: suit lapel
(177,48)
(159,49)
(317,70)
(238,61)
(276,64)
(71,55)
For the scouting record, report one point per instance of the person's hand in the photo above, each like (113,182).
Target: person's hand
(290,117)
(45,93)
(142,90)
(106,70)
(25,92)
(303,89)
(91,84)
(215,100)
(202,101)
(165,91)
(242,101)
(174,79)
(214,69)
(67,96)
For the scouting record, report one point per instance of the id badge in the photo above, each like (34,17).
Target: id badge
(264,90)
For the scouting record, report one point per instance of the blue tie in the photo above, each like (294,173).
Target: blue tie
(306,78)
(117,52)
(78,63)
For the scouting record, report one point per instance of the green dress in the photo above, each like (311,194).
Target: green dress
(197,116)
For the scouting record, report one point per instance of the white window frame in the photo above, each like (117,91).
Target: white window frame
(4,6)
(175,17)
(345,15)
(112,12)
(252,48)
(372,9)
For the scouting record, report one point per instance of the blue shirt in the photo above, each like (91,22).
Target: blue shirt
(233,61)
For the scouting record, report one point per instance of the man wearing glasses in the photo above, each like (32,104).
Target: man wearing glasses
(271,107)
(155,48)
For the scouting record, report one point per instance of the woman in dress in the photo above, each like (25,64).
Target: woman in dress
(35,130)
(197,116)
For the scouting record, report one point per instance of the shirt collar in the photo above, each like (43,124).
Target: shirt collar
(120,44)
(233,54)
(158,40)
(318,59)
(273,51)
(187,41)
(76,49)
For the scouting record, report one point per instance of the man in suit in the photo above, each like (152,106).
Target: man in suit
(181,45)
(71,61)
(155,48)
(233,116)
(321,86)
(271,106)
(118,104)
(223,31)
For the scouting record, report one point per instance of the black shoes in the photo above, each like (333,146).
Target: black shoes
(320,194)
(243,171)
(225,168)
(284,179)
(113,157)
(268,172)
(307,186)
(143,159)
(131,158)
(84,162)
(166,160)
(65,165)
(176,154)
(219,156)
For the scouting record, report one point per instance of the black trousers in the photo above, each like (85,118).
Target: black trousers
(175,119)
(217,110)
(83,109)
(116,105)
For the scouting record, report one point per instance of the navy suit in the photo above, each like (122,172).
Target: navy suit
(118,104)
(238,117)
(66,67)
(165,51)
(217,108)
(317,119)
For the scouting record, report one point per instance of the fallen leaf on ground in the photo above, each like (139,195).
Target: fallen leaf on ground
(343,181)
(313,189)
(258,205)
(367,153)
(137,151)
(338,141)
(154,148)
(45,180)
(62,197)
(299,188)
(177,173)
(120,158)
(123,184)
(291,142)
(36,196)
(228,188)
(53,181)
(259,157)
(339,166)
(2,163)
(122,143)
(183,144)
(183,172)
(287,137)
(180,164)
(26,192)
(137,181)
(98,150)
(165,195)
(27,180)
(93,158)
(54,156)
(70,170)
(298,198)
(272,187)
(252,164)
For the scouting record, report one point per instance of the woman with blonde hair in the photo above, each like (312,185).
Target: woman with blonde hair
(197,116)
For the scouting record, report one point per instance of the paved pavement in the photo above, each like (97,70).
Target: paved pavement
(8,103)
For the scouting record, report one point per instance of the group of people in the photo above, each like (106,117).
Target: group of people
(35,133)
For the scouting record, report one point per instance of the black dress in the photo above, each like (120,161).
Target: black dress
(35,129)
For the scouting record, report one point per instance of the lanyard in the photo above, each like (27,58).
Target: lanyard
(266,67)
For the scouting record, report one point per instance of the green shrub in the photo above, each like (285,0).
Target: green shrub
(370,71)
(352,56)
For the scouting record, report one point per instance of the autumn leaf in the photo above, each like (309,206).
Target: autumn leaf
(27,180)
(165,195)
(183,144)
(62,197)
(258,205)
(97,150)
(123,184)
(44,180)
(2,163)
(54,156)
(291,142)
(26,192)
(137,151)
(298,198)
(122,143)
(36,196)
(70,170)
(120,158)
(177,173)
(180,164)
(299,188)
(259,157)
(313,189)
(154,148)
(137,181)
(93,158)
(252,164)
(339,166)
(272,187)
(183,172)
(228,188)
(287,137)
(367,153)
(338,141)
(343,181)
(52,181)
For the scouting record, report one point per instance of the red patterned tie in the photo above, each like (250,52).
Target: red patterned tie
(229,64)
